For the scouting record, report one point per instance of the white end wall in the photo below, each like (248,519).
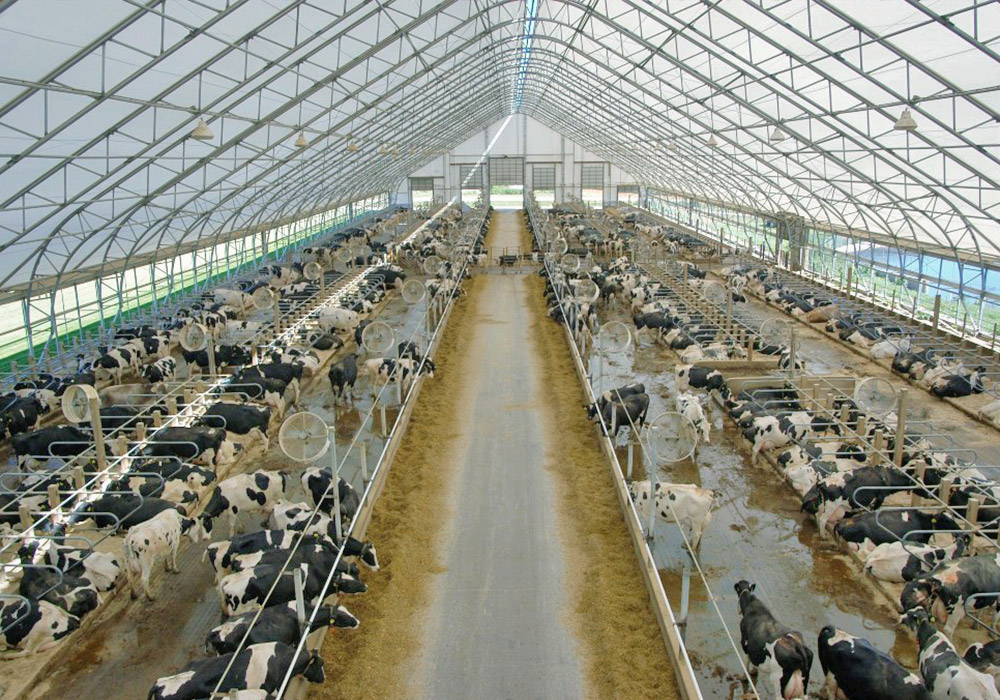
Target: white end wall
(524,138)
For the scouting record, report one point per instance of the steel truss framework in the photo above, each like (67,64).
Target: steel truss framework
(97,101)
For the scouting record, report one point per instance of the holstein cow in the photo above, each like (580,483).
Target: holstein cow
(946,674)
(239,418)
(985,658)
(690,406)
(275,393)
(686,504)
(221,554)
(844,493)
(343,376)
(615,415)
(317,482)
(158,537)
(172,469)
(314,551)
(257,667)
(160,371)
(856,670)
(192,444)
(74,595)
(388,369)
(945,590)
(693,376)
(277,623)
(899,562)
(299,516)
(55,441)
(256,492)
(778,650)
(864,532)
(290,374)
(100,569)
(338,319)
(122,511)
(33,626)
(245,591)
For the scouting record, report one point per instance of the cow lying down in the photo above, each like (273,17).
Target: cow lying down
(257,667)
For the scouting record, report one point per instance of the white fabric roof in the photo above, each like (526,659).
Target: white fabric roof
(97,99)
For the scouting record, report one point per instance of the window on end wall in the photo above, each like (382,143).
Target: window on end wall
(543,184)
(628,194)
(421,192)
(592,184)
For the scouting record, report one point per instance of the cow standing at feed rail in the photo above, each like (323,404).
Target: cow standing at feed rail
(778,650)
(390,370)
(314,551)
(245,591)
(158,537)
(625,414)
(343,375)
(688,505)
(33,626)
(299,517)
(317,483)
(256,492)
(221,555)
(856,670)
(277,623)
(897,562)
(258,667)
(946,674)
(946,589)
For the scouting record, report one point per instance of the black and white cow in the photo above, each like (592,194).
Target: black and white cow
(173,490)
(343,376)
(688,505)
(275,393)
(114,363)
(391,370)
(54,441)
(844,493)
(317,483)
(256,492)
(985,658)
(313,551)
(325,341)
(630,411)
(157,538)
(866,531)
(899,562)
(172,469)
(945,673)
(238,418)
(196,443)
(44,582)
(276,623)
(122,511)
(299,517)
(693,376)
(856,670)
(338,319)
(221,554)
(771,646)
(245,591)
(290,374)
(257,667)
(945,590)
(21,414)
(33,626)
(225,356)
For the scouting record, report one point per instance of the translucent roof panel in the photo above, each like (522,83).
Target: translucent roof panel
(98,101)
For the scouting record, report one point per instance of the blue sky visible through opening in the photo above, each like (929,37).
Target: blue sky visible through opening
(530,15)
